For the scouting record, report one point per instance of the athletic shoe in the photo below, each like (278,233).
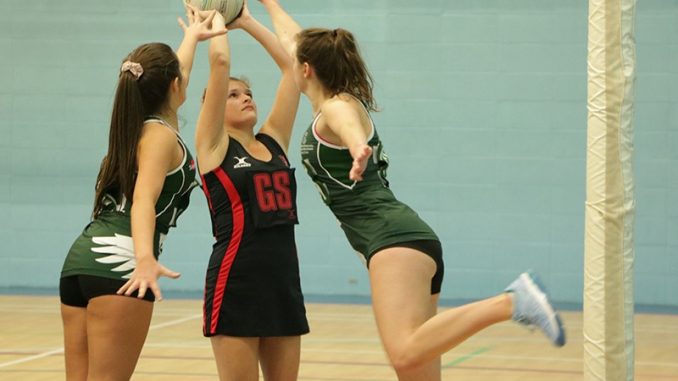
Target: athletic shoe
(531,307)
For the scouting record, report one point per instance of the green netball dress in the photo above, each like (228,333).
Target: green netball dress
(368,212)
(105,247)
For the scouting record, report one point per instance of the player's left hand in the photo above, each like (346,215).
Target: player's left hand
(200,24)
(145,277)
(360,156)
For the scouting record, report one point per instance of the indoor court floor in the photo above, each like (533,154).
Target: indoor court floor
(342,345)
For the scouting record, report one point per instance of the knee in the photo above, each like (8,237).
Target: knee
(404,361)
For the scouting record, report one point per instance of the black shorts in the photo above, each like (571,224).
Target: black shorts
(77,290)
(433,249)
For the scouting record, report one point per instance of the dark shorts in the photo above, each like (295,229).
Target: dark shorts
(77,290)
(433,249)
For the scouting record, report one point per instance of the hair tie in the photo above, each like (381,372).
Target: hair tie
(134,68)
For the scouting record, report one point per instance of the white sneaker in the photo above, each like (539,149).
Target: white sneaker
(531,307)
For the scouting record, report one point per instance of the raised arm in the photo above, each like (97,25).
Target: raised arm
(155,152)
(265,37)
(280,120)
(198,29)
(285,26)
(211,141)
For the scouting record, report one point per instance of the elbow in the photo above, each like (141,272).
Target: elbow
(289,45)
(287,68)
(286,62)
(220,60)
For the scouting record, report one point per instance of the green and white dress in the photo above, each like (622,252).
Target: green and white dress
(105,247)
(368,212)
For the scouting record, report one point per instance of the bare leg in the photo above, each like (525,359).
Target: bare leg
(117,327)
(401,279)
(280,357)
(237,357)
(429,371)
(75,342)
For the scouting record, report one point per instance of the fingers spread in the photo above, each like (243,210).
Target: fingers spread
(156,291)
(182,24)
(173,274)
(142,291)
(133,286)
(210,17)
(124,287)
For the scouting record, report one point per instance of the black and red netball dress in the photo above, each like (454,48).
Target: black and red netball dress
(252,284)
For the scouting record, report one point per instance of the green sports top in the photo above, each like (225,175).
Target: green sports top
(328,165)
(105,247)
(368,212)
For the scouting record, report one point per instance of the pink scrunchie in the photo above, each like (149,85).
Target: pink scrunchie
(133,67)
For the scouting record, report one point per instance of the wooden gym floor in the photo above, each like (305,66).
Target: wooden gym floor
(342,345)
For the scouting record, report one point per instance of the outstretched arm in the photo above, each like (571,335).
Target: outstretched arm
(343,119)
(285,26)
(280,121)
(211,140)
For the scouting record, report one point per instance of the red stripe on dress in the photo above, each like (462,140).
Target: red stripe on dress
(207,192)
(209,204)
(233,245)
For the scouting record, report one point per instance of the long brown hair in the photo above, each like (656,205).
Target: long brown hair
(336,59)
(137,97)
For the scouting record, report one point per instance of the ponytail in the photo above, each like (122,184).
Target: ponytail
(143,89)
(336,59)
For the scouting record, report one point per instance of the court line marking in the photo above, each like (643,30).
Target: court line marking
(465,358)
(31,358)
(175,322)
(478,353)
(61,350)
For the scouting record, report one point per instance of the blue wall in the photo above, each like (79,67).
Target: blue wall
(484,119)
